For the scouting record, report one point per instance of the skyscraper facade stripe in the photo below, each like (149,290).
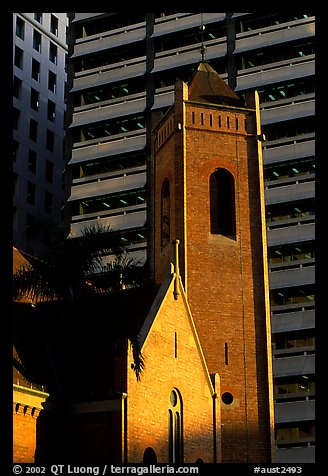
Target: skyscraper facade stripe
(39,88)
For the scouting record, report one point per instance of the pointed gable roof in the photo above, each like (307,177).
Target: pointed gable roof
(18,259)
(207,86)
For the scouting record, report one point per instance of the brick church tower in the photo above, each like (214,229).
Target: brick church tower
(206,190)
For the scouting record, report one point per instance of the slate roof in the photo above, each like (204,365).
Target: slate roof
(206,85)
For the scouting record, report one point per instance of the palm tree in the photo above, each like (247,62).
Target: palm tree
(74,267)
(61,286)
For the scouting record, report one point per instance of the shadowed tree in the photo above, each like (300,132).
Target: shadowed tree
(61,286)
(74,267)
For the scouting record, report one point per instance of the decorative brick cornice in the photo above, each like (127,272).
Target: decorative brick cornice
(26,410)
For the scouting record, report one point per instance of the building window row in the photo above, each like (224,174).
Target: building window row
(291,252)
(295,295)
(255,21)
(33,131)
(288,169)
(20,24)
(286,90)
(108,165)
(109,128)
(35,73)
(37,43)
(288,434)
(112,22)
(274,54)
(98,59)
(279,212)
(293,340)
(292,128)
(299,384)
(109,202)
(108,92)
(132,236)
(194,36)
(31,197)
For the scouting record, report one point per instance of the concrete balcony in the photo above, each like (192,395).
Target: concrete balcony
(105,148)
(286,278)
(291,321)
(182,21)
(294,411)
(288,71)
(111,39)
(109,74)
(97,113)
(295,365)
(292,234)
(290,192)
(119,222)
(288,151)
(303,454)
(273,35)
(290,111)
(107,186)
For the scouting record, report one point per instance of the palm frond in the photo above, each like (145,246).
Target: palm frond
(138,359)
(30,282)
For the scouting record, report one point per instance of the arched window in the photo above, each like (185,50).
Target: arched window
(175,428)
(149,456)
(165,214)
(222,203)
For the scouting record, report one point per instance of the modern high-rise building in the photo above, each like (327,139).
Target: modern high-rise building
(121,70)
(39,87)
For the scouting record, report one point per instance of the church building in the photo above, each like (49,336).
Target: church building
(207,191)
(203,328)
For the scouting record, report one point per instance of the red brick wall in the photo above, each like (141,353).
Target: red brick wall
(225,281)
(24,433)
(223,277)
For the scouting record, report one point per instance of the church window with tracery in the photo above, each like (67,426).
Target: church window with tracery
(175,428)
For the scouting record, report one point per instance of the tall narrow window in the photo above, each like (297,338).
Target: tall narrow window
(51,110)
(53,24)
(52,81)
(37,41)
(33,133)
(31,192)
(20,27)
(17,89)
(165,214)
(222,203)
(175,428)
(53,52)
(50,140)
(34,100)
(35,70)
(18,60)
